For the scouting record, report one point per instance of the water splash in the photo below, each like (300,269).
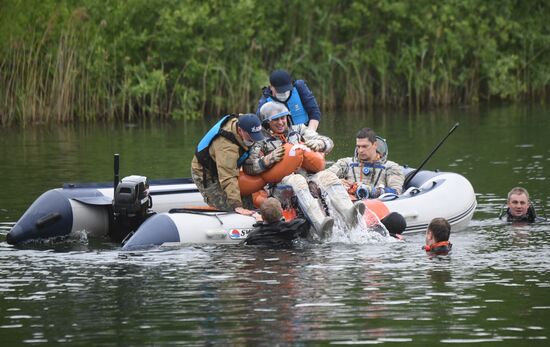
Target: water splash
(361,233)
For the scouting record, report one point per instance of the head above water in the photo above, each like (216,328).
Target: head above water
(438,230)
(271,210)
(518,202)
(274,116)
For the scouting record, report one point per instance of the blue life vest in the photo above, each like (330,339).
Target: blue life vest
(294,104)
(202,152)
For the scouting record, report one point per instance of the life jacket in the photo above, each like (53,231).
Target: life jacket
(294,104)
(279,234)
(442,247)
(202,152)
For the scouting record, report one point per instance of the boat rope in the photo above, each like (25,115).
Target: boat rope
(198,212)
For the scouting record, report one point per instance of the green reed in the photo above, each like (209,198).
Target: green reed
(67,61)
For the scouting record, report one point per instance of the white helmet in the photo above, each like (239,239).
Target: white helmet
(272,110)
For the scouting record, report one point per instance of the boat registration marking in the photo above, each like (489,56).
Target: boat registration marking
(237,234)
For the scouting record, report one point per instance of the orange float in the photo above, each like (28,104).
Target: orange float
(313,161)
(259,197)
(376,207)
(295,156)
(249,184)
(291,161)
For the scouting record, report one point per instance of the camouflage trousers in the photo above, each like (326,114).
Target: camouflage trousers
(213,193)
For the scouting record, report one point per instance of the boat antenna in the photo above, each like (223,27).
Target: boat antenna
(411,176)
(116,169)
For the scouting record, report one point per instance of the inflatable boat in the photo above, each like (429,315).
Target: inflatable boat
(162,212)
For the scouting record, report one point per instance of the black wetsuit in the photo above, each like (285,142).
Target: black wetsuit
(277,235)
(529,217)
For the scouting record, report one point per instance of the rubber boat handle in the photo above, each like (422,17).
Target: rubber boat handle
(410,215)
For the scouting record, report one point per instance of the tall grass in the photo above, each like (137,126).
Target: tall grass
(84,61)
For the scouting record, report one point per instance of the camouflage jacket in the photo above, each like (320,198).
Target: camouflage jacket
(254,164)
(226,154)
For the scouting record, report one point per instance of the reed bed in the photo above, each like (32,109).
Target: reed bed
(74,61)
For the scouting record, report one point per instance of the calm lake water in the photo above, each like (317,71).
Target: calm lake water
(494,289)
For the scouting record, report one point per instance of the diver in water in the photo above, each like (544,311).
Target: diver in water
(437,237)
(519,208)
(273,231)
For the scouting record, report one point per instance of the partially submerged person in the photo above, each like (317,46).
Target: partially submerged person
(437,237)
(274,116)
(519,207)
(295,95)
(369,173)
(395,223)
(273,231)
(218,157)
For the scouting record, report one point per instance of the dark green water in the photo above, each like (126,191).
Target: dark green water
(493,290)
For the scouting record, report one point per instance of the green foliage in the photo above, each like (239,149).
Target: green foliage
(66,60)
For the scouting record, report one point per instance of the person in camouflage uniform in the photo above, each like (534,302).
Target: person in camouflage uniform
(216,164)
(264,155)
(369,173)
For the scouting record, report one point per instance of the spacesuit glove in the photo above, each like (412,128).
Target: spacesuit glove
(315,145)
(274,157)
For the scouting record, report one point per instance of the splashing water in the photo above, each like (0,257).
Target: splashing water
(361,233)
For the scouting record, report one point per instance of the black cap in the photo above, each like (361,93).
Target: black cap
(280,79)
(251,124)
(395,223)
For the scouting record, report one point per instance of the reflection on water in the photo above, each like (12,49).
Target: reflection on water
(493,288)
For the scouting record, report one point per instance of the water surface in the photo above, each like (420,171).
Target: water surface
(492,290)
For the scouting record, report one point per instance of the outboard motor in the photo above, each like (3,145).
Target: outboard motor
(131,206)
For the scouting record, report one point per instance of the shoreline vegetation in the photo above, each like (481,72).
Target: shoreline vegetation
(84,60)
